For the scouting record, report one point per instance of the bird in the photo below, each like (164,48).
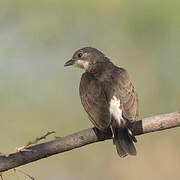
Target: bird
(108,96)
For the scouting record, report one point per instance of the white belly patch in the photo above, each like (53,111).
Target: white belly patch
(116,112)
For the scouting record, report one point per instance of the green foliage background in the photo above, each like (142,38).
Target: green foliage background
(37,94)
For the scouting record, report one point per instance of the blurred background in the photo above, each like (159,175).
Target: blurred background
(37,94)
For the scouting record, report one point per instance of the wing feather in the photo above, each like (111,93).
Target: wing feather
(94,101)
(126,92)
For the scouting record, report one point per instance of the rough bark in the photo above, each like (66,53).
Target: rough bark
(82,138)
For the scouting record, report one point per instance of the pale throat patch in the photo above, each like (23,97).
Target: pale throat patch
(116,112)
(82,64)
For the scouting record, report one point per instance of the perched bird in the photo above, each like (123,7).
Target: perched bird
(108,96)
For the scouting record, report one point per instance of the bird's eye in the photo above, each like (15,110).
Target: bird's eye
(80,55)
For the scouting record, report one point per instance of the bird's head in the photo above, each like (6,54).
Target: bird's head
(87,58)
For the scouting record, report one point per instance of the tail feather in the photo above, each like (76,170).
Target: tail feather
(123,140)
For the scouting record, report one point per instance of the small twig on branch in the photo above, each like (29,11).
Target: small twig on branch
(30,177)
(1,176)
(39,138)
(24,148)
(82,138)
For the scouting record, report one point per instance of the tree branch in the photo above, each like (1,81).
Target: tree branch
(82,138)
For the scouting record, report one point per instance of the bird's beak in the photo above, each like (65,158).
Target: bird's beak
(69,63)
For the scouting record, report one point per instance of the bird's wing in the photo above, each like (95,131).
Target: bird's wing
(126,92)
(94,101)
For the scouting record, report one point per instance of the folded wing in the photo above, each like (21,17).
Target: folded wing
(126,92)
(94,101)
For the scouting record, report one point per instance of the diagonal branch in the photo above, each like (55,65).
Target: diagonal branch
(82,138)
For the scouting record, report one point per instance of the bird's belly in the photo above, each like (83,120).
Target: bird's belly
(116,112)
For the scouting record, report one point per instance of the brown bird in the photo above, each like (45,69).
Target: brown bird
(108,96)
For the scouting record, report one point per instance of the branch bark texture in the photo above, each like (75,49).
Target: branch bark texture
(82,138)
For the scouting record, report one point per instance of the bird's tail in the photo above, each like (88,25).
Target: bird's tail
(123,139)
